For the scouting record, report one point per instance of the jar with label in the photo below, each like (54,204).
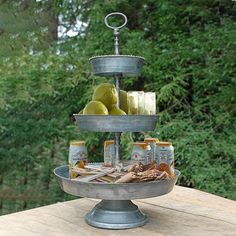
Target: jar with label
(141,153)
(165,157)
(109,152)
(78,156)
(152,143)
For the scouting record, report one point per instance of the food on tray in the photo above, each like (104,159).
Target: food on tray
(135,101)
(140,167)
(141,103)
(143,173)
(165,157)
(145,176)
(116,111)
(107,94)
(137,167)
(150,103)
(78,156)
(152,143)
(137,172)
(95,108)
(72,173)
(110,178)
(140,152)
(80,164)
(123,101)
(109,152)
(82,172)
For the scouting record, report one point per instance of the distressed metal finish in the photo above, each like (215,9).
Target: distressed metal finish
(115,160)
(112,65)
(116,28)
(115,211)
(115,14)
(108,123)
(126,191)
(117,150)
(110,214)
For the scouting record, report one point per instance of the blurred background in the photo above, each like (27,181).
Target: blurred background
(45,77)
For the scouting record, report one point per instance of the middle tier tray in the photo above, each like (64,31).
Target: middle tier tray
(108,123)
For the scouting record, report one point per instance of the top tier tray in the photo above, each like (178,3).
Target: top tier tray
(117,65)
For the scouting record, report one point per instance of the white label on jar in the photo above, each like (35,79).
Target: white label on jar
(76,154)
(165,157)
(140,154)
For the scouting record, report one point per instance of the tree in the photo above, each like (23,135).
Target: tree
(190,63)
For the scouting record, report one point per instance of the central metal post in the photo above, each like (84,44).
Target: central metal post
(116,44)
(117,135)
(117,77)
(117,82)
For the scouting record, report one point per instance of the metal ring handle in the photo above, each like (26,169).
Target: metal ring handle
(112,14)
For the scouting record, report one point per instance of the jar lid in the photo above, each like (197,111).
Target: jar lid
(77,143)
(141,144)
(150,140)
(163,143)
(108,142)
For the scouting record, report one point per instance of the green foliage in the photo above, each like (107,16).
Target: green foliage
(190,64)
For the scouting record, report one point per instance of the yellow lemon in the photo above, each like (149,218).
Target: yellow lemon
(123,101)
(116,111)
(95,108)
(107,94)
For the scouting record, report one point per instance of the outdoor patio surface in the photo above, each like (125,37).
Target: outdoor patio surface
(184,211)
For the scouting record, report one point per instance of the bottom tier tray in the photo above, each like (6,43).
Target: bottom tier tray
(108,191)
(115,211)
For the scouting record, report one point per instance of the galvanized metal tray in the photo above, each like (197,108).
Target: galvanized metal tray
(126,191)
(108,123)
(117,65)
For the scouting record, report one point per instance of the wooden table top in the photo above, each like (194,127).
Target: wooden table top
(184,211)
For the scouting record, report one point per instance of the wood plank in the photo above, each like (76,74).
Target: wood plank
(196,202)
(182,212)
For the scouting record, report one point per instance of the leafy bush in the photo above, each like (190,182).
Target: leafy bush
(190,64)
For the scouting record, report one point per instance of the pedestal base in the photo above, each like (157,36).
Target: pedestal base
(115,214)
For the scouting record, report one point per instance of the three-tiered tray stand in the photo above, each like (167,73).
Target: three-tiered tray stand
(116,210)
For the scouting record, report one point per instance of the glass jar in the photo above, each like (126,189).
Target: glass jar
(152,143)
(78,156)
(150,103)
(140,153)
(165,157)
(135,101)
(109,153)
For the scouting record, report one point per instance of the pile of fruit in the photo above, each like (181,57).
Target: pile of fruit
(104,101)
